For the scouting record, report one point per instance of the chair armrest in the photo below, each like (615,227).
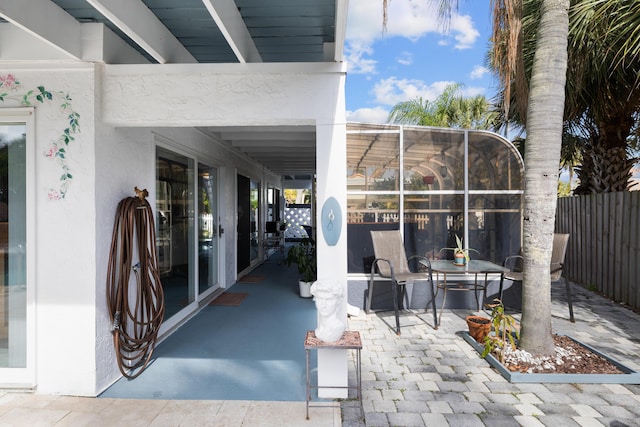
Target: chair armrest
(556,266)
(374,266)
(511,262)
(421,265)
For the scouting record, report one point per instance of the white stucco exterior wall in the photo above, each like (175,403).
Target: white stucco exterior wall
(220,94)
(64,231)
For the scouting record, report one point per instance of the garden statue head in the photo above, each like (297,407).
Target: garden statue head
(328,296)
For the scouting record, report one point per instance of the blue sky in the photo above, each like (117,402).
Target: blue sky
(415,56)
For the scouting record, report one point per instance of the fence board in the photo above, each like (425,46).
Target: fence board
(624,246)
(596,241)
(634,252)
(600,243)
(583,231)
(616,210)
(604,247)
(590,252)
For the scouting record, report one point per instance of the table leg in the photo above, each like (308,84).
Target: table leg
(444,296)
(475,291)
(308,383)
(359,379)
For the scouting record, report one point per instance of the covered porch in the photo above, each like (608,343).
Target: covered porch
(259,359)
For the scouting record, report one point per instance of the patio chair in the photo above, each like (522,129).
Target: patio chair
(273,238)
(391,262)
(514,265)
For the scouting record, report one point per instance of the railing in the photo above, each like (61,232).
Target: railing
(604,247)
(295,218)
(381,215)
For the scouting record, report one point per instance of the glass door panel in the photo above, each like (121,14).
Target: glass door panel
(14,357)
(255,214)
(175,222)
(207,228)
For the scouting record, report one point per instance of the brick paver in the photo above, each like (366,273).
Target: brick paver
(428,377)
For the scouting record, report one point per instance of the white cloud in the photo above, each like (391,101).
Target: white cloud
(391,91)
(368,115)
(411,19)
(405,58)
(478,72)
(357,63)
(465,32)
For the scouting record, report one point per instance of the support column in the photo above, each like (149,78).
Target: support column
(331,166)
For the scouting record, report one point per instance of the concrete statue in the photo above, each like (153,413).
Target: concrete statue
(329,297)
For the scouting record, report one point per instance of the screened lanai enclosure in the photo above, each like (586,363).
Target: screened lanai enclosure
(432,184)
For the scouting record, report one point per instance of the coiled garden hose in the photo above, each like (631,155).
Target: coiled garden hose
(136,305)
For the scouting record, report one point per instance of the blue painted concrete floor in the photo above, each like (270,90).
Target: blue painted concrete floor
(254,351)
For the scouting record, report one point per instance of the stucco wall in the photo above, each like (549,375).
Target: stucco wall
(64,231)
(222,94)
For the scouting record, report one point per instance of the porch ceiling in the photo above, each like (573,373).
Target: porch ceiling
(289,151)
(189,31)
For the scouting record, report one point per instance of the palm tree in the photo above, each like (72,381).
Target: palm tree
(449,109)
(544,139)
(544,123)
(604,61)
(416,111)
(475,113)
(603,89)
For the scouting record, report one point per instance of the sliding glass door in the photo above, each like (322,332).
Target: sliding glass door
(16,320)
(187,229)
(209,229)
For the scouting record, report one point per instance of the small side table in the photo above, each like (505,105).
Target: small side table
(350,340)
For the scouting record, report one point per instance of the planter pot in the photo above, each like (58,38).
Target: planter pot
(428,179)
(479,327)
(305,289)
(459,259)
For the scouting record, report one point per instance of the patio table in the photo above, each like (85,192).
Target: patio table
(474,266)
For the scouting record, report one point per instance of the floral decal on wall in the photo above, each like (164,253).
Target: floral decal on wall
(10,89)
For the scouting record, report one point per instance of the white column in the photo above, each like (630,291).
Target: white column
(331,166)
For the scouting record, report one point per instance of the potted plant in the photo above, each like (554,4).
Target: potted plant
(479,327)
(460,254)
(505,331)
(304,256)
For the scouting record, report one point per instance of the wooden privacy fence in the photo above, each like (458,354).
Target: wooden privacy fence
(604,246)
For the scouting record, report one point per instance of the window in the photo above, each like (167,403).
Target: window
(414,179)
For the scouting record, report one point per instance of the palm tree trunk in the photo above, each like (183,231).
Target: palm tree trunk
(542,154)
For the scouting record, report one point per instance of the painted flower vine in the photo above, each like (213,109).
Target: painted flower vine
(10,89)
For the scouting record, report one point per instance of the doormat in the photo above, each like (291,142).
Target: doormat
(251,278)
(229,298)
